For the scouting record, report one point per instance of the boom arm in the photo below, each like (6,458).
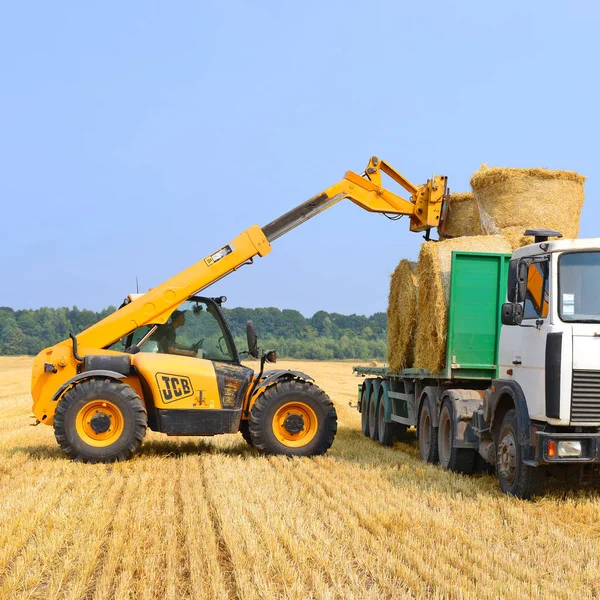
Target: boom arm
(424,209)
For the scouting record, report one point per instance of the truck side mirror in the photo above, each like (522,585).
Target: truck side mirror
(512,313)
(252,339)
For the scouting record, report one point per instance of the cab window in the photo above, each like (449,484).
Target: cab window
(194,329)
(538,291)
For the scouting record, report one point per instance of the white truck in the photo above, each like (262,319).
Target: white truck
(521,389)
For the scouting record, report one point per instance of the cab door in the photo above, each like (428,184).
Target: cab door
(196,380)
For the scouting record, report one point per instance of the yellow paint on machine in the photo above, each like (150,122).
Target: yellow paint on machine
(178,382)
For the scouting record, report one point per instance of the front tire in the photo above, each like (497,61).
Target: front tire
(515,477)
(364,412)
(100,420)
(293,417)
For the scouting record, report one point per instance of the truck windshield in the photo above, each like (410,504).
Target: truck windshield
(579,287)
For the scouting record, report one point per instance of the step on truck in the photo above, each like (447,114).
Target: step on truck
(521,388)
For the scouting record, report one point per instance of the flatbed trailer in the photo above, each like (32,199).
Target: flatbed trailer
(520,389)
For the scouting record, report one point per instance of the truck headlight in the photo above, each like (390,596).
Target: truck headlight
(569,449)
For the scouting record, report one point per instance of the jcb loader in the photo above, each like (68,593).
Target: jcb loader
(167,360)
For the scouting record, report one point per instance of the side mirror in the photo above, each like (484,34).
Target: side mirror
(512,314)
(252,339)
(271,356)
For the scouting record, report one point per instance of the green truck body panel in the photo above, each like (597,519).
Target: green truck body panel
(477,290)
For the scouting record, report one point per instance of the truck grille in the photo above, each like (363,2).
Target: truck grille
(585,402)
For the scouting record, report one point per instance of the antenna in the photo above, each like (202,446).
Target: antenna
(137,287)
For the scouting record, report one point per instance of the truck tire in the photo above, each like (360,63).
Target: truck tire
(100,421)
(373,429)
(515,478)
(388,433)
(245,431)
(364,412)
(427,433)
(460,460)
(293,417)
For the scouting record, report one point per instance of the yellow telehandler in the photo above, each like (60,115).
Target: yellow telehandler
(167,360)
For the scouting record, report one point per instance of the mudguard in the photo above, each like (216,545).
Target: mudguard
(85,375)
(270,377)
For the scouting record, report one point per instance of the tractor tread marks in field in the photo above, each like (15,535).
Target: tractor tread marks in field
(275,396)
(135,417)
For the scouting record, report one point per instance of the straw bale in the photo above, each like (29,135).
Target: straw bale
(528,199)
(463,216)
(433,273)
(402,312)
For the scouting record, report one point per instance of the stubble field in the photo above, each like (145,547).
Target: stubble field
(210,518)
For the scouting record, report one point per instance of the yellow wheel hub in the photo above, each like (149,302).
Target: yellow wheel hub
(99,423)
(295,424)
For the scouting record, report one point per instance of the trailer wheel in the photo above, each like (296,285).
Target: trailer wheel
(515,477)
(373,429)
(461,460)
(427,433)
(364,412)
(388,432)
(293,417)
(100,420)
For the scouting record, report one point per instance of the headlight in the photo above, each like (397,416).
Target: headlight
(566,449)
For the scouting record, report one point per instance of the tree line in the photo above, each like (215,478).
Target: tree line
(324,336)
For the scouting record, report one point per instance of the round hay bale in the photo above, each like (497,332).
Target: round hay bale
(528,199)
(463,216)
(402,311)
(433,273)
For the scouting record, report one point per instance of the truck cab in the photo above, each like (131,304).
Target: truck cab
(549,351)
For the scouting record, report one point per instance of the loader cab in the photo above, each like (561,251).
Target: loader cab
(203,330)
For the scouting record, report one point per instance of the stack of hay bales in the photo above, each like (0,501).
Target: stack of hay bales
(492,218)
(402,315)
(513,200)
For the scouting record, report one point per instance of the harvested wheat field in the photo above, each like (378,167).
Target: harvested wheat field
(210,518)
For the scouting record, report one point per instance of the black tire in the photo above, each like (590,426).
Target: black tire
(131,411)
(245,431)
(460,460)
(388,433)
(373,428)
(302,393)
(364,412)
(427,433)
(519,480)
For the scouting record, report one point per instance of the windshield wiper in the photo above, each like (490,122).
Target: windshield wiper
(585,321)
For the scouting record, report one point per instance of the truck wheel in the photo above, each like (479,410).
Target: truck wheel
(100,420)
(388,433)
(461,460)
(245,431)
(515,477)
(364,413)
(428,434)
(293,417)
(373,429)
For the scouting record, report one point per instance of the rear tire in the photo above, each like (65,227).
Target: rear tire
(373,429)
(364,412)
(245,431)
(293,417)
(100,420)
(515,477)
(428,434)
(460,460)
(388,432)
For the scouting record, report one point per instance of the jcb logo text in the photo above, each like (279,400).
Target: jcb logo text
(174,387)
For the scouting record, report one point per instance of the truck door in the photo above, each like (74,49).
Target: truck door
(529,340)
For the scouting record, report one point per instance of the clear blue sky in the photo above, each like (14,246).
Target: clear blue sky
(138,137)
